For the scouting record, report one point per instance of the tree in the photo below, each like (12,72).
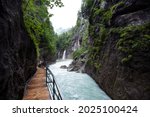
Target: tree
(39,27)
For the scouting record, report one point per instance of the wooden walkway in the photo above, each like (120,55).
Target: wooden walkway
(36,88)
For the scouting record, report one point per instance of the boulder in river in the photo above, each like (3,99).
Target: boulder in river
(78,64)
(63,67)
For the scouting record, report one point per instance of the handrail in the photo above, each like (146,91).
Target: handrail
(52,85)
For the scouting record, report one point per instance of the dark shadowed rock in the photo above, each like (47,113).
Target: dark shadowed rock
(63,67)
(17,51)
(120,60)
(137,18)
(78,64)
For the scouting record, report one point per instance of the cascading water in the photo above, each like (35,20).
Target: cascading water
(76,86)
(78,44)
(64,55)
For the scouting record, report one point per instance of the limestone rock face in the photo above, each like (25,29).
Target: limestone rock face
(17,51)
(79,63)
(120,36)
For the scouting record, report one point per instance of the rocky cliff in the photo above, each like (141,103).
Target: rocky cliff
(17,51)
(119,57)
(79,44)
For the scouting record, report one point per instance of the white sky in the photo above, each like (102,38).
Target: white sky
(66,16)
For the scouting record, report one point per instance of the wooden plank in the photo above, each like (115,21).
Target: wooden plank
(37,88)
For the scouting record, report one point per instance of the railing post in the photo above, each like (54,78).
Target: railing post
(46,75)
(50,79)
(53,89)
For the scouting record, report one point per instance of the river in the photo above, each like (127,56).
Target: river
(76,86)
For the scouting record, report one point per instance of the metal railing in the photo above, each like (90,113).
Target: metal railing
(52,86)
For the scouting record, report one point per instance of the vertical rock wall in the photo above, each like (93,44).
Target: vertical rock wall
(17,51)
(119,35)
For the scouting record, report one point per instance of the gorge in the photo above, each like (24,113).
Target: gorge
(76,86)
(115,49)
(110,42)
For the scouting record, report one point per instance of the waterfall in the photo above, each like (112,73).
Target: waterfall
(64,55)
(78,46)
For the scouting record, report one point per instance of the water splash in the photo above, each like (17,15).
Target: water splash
(76,86)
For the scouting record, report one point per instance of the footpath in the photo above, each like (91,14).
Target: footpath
(37,89)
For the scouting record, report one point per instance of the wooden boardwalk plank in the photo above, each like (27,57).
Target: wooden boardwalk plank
(36,88)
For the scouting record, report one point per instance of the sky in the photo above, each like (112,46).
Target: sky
(65,17)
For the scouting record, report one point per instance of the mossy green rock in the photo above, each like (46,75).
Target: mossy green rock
(119,56)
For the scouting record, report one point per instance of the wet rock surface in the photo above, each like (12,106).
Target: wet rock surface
(63,67)
(121,69)
(17,51)
(78,64)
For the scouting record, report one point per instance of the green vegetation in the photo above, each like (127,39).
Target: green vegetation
(64,40)
(67,39)
(86,7)
(132,39)
(106,14)
(84,35)
(88,3)
(38,25)
(98,42)
(78,52)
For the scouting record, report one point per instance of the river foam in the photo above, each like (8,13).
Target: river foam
(76,86)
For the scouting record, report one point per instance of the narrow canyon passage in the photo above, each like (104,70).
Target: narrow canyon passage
(76,86)
(36,89)
(107,39)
